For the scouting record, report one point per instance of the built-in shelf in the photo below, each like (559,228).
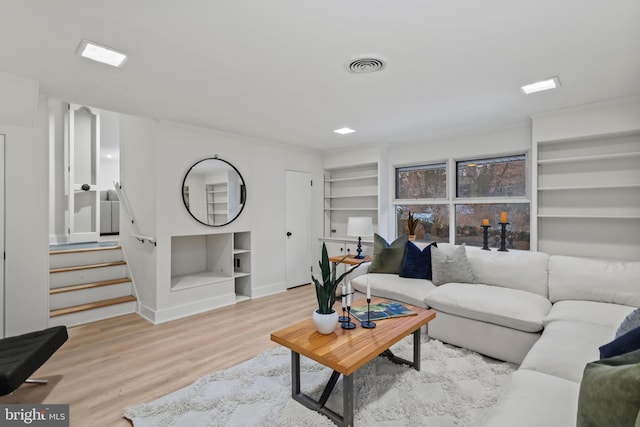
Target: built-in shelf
(349,191)
(351,196)
(610,217)
(351,178)
(588,195)
(221,261)
(590,187)
(597,157)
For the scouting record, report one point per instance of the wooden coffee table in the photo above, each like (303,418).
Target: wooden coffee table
(347,350)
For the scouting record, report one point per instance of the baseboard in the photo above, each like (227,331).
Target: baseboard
(173,313)
(272,289)
(58,239)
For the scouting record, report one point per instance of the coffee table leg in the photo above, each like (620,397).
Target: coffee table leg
(345,420)
(295,373)
(416,349)
(347,400)
(416,353)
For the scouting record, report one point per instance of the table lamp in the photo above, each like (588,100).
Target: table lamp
(359,226)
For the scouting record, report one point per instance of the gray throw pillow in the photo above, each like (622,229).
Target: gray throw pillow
(630,322)
(450,265)
(387,257)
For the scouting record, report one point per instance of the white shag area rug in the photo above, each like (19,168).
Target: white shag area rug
(455,387)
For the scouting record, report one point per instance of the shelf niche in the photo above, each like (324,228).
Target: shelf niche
(222,261)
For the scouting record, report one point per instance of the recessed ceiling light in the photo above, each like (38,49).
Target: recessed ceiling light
(344,131)
(101,53)
(550,83)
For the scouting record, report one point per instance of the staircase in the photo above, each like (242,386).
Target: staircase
(88,284)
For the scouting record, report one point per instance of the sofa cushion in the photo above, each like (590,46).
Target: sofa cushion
(387,257)
(512,308)
(565,347)
(450,264)
(597,313)
(630,322)
(391,286)
(573,278)
(524,270)
(417,262)
(625,343)
(609,392)
(533,399)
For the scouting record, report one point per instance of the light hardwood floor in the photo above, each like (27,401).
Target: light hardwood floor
(108,365)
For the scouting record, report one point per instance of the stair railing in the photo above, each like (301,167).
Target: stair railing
(134,226)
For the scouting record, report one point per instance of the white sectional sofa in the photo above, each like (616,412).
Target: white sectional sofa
(549,314)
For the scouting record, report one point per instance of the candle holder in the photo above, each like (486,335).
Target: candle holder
(348,324)
(485,237)
(503,237)
(368,324)
(343,318)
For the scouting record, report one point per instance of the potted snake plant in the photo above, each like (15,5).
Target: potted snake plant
(325,317)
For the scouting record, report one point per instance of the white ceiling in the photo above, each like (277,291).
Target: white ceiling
(275,69)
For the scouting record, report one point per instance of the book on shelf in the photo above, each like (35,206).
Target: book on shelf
(385,310)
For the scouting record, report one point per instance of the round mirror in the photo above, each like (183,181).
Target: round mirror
(213,192)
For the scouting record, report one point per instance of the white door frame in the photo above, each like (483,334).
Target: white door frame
(298,228)
(74,188)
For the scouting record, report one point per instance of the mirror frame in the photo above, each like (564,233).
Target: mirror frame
(243,191)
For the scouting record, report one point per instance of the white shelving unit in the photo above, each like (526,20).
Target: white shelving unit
(221,261)
(349,191)
(588,196)
(217,203)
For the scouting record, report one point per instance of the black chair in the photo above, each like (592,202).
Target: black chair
(22,355)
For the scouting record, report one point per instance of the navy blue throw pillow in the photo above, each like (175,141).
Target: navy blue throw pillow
(417,263)
(621,345)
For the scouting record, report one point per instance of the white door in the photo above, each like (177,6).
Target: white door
(2,236)
(298,228)
(83,160)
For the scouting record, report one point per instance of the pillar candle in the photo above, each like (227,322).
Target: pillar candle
(368,290)
(349,295)
(344,296)
(485,221)
(503,217)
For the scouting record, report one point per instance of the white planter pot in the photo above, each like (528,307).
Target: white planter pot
(325,323)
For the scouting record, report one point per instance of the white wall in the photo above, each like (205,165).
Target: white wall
(27,224)
(138,180)
(155,157)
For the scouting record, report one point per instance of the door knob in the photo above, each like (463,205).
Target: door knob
(288,234)
(85,187)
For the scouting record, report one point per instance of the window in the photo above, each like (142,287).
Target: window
(497,177)
(422,182)
(483,189)
(492,186)
(470,216)
(434,221)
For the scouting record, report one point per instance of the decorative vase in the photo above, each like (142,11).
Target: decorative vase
(412,237)
(325,323)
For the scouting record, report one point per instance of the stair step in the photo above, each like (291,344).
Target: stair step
(90,306)
(79,250)
(86,267)
(89,285)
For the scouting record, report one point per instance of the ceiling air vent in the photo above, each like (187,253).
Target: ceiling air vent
(365,65)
